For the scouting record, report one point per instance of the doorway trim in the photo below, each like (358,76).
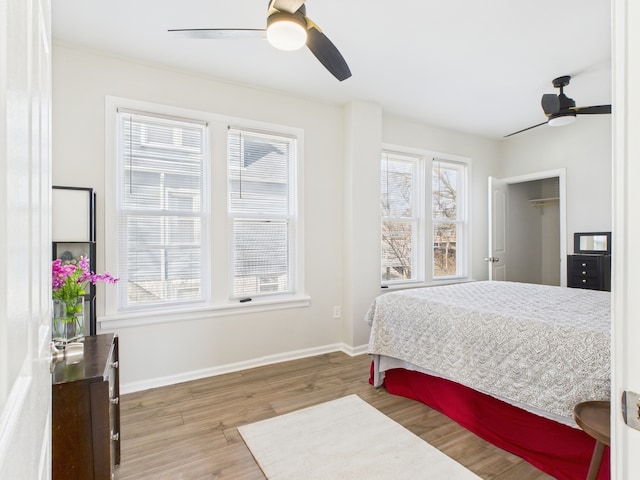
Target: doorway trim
(561,175)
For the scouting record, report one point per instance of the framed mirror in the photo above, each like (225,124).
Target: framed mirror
(592,242)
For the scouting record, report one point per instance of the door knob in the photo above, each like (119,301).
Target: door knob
(71,353)
(492,259)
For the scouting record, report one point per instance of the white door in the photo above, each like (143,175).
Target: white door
(626,232)
(497,229)
(25,265)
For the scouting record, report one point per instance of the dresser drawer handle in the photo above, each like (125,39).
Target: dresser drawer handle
(584,264)
(584,272)
(115,436)
(584,280)
(114,401)
(114,364)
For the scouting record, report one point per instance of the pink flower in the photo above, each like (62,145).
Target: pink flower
(68,281)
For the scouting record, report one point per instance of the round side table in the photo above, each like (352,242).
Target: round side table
(594,418)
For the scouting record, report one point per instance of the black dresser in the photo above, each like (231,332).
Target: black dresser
(592,271)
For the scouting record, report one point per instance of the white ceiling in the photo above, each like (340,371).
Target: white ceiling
(474,66)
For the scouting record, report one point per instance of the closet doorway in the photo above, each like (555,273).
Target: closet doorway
(527,228)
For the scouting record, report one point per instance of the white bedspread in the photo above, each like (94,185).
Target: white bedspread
(531,345)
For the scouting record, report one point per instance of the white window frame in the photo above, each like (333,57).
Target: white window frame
(426,220)
(462,222)
(290,219)
(201,212)
(217,301)
(417,218)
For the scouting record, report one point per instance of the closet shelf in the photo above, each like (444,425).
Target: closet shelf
(543,202)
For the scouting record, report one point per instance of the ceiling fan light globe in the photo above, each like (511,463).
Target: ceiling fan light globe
(286,32)
(562,120)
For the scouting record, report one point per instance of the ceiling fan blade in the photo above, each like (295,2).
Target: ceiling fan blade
(550,103)
(326,52)
(593,110)
(220,33)
(290,6)
(524,130)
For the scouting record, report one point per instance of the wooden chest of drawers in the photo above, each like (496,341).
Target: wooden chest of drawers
(589,271)
(86,413)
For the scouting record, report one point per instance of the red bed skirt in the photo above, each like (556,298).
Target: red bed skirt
(559,450)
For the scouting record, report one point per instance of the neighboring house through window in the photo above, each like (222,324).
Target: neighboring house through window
(161,210)
(261,178)
(181,245)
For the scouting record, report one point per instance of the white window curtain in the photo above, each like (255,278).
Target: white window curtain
(262,213)
(162,222)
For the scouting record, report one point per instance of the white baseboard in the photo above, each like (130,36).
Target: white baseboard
(131,387)
(354,351)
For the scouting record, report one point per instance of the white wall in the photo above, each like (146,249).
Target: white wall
(533,236)
(584,149)
(550,220)
(191,348)
(361,216)
(524,234)
(341,209)
(484,155)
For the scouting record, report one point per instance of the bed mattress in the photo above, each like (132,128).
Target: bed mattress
(538,347)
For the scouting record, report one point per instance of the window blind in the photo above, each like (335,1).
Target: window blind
(261,206)
(400,221)
(161,214)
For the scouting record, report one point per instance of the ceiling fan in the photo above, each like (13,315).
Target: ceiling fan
(561,110)
(288,28)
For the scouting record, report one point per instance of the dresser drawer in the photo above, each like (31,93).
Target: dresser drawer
(585,265)
(589,271)
(585,282)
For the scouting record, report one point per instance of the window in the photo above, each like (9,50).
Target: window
(448,218)
(161,211)
(405,227)
(400,229)
(200,217)
(261,204)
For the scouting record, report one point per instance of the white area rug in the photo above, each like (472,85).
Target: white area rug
(345,439)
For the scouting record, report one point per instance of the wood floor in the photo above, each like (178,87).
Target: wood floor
(189,431)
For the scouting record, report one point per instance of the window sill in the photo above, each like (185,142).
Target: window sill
(434,283)
(151,317)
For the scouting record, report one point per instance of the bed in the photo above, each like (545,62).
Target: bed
(506,360)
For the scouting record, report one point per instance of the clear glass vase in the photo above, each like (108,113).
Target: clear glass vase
(68,321)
